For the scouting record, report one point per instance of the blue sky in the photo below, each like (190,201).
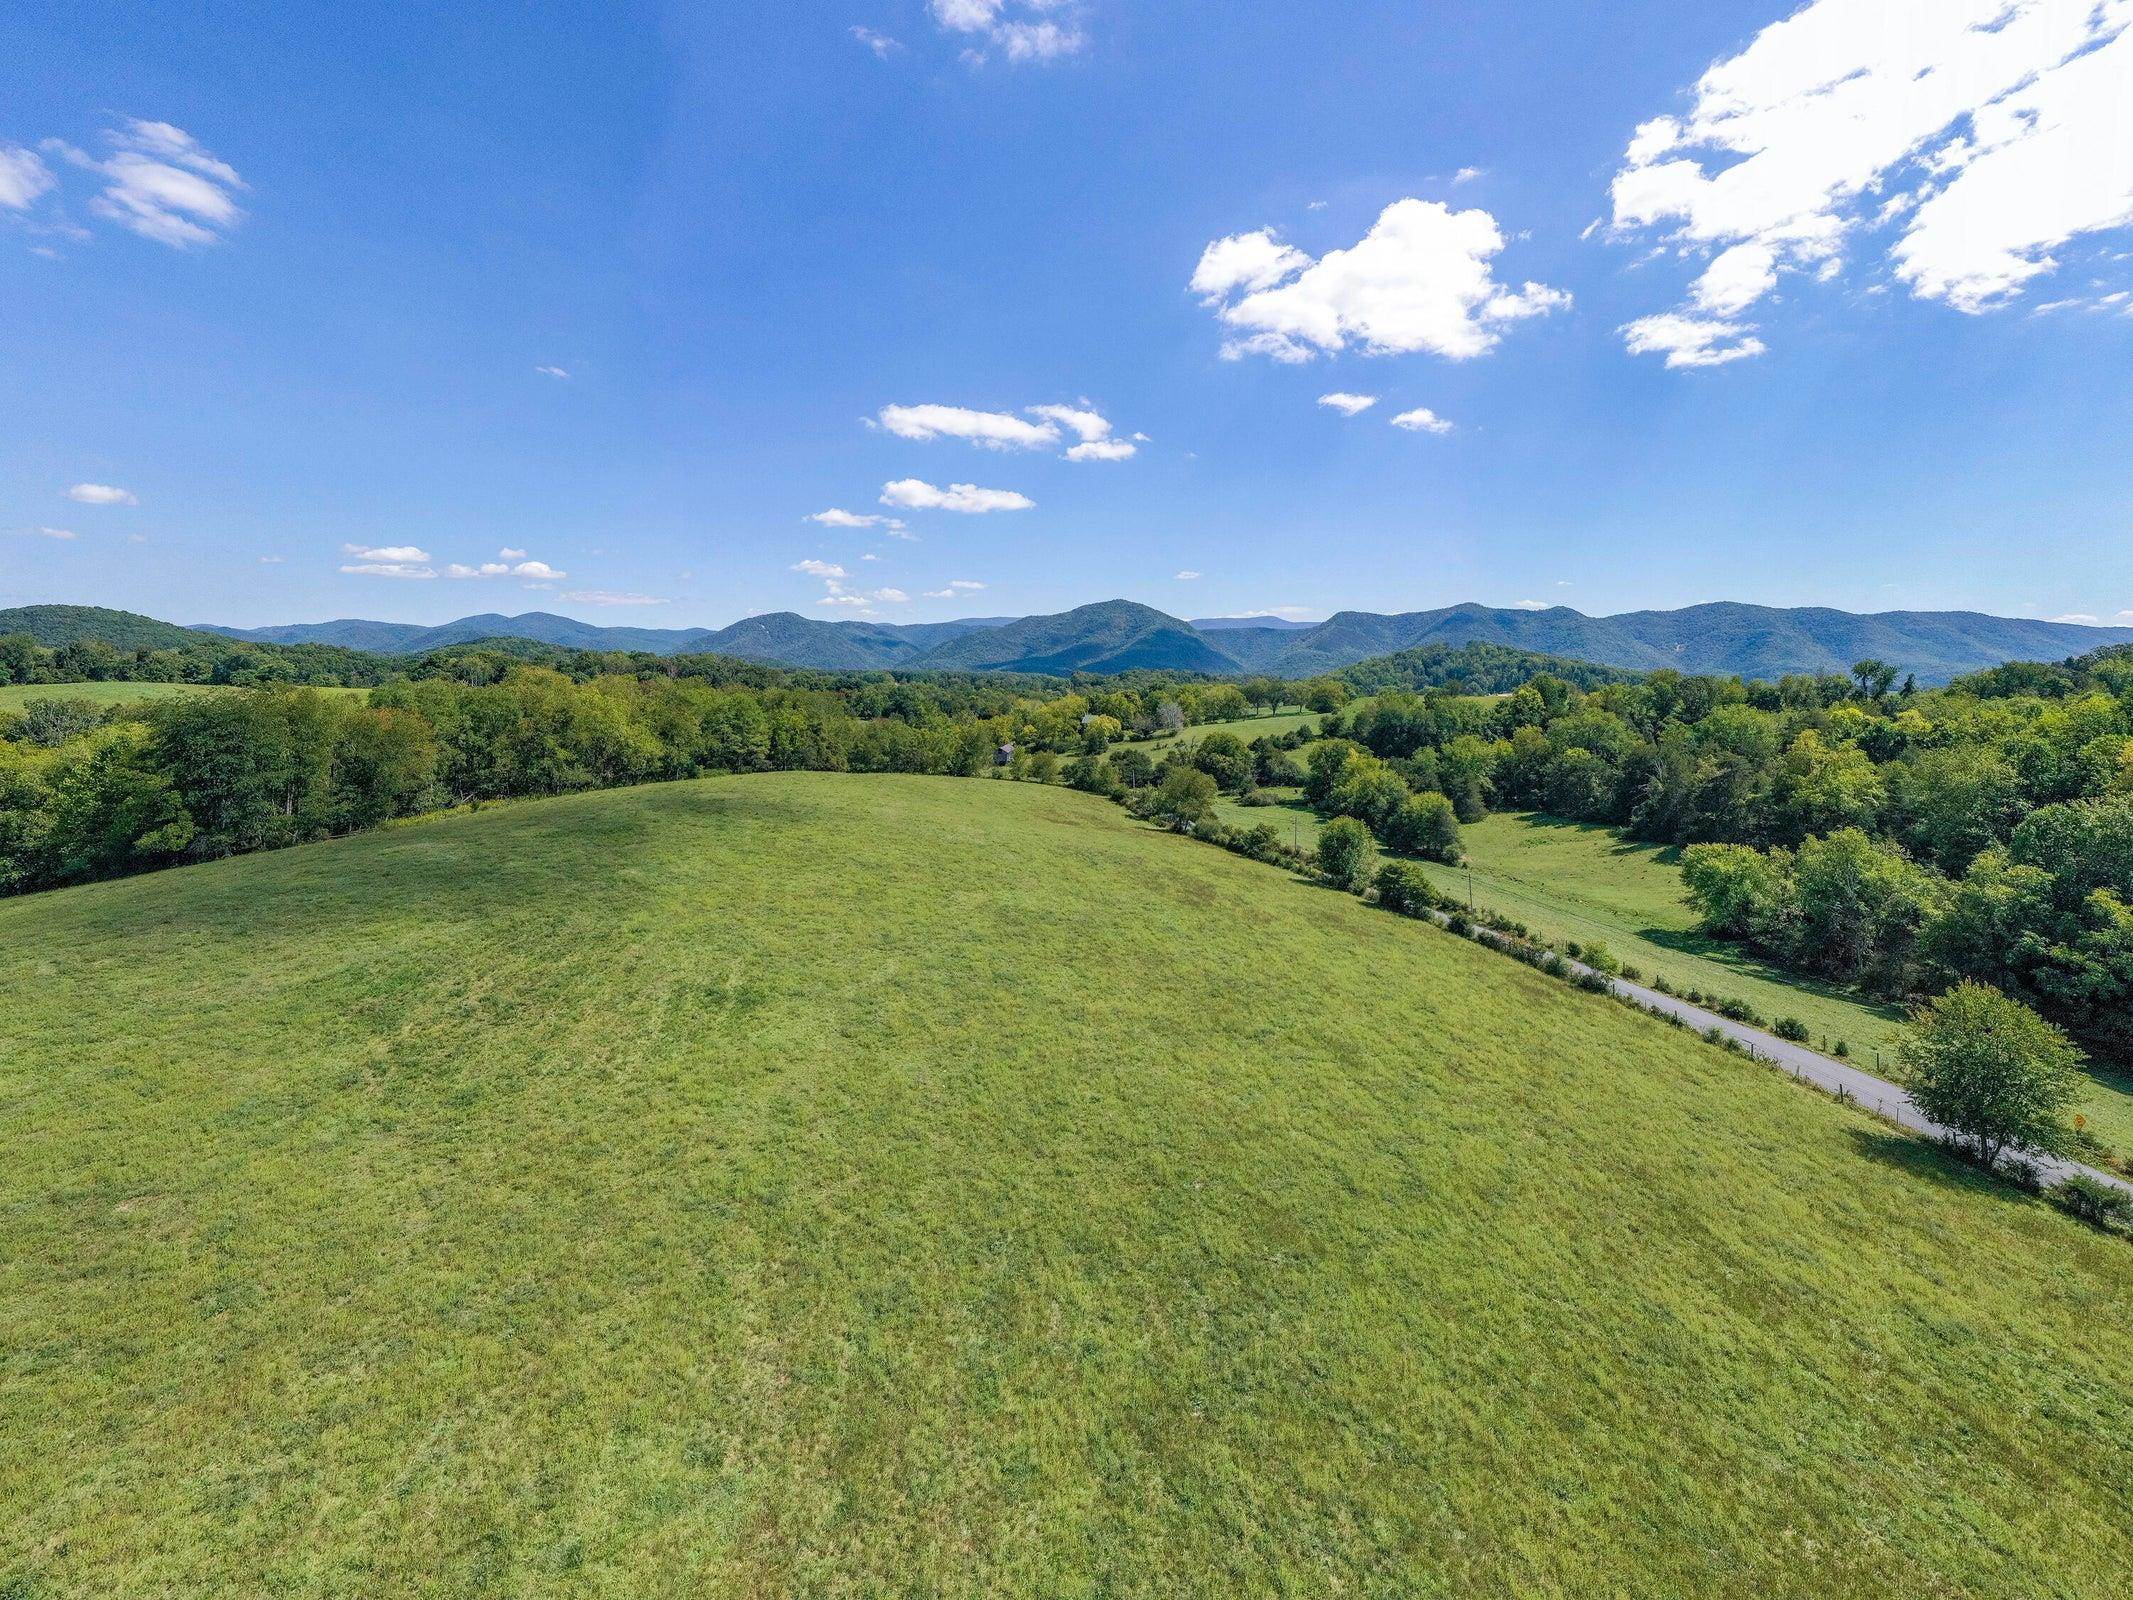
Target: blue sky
(1680,305)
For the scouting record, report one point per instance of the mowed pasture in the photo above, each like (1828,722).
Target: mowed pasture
(1245,728)
(14,696)
(825,1185)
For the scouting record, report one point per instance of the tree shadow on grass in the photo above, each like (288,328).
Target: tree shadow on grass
(1935,1163)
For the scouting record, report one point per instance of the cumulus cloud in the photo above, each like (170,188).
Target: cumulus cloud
(1037,428)
(385,552)
(102,494)
(508,567)
(162,183)
(2086,619)
(1422,420)
(1529,605)
(1691,341)
(509,554)
(23,177)
(1468,174)
(1352,405)
(1973,137)
(820,569)
(915,494)
(613,597)
(1421,279)
(993,430)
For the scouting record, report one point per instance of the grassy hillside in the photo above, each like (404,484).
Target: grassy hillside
(699,1190)
(14,696)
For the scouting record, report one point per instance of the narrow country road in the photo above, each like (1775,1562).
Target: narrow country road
(1811,1066)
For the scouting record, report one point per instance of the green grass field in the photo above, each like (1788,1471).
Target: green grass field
(823,1185)
(13,697)
(1245,728)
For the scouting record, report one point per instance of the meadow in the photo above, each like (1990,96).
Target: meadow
(833,1185)
(1247,729)
(14,696)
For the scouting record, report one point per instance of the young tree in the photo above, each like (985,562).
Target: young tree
(1183,800)
(1426,826)
(1344,853)
(1991,1069)
(1133,768)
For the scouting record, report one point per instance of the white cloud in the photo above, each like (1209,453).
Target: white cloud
(389,569)
(552,372)
(1246,261)
(880,43)
(1468,174)
(994,430)
(1022,37)
(507,568)
(1353,405)
(1286,613)
(1003,430)
(23,177)
(1421,279)
(1984,133)
(1184,576)
(837,517)
(1690,341)
(1422,420)
(385,552)
(163,184)
(509,554)
(55,533)
(894,597)
(1529,605)
(2082,617)
(612,597)
(820,569)
(272,561)
(2124,616)
(917,495)
(102,494)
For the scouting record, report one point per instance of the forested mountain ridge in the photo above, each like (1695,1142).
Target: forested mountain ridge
(1721,638)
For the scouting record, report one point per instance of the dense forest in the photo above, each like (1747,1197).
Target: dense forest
(1851,828)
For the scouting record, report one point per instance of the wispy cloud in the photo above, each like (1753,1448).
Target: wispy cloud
(838,517)
(162,183)
(1018,28)
(613,597)
(387,561)
(914,494)
(1185,576)
(55,533)
(552,372)
(1350,405)
(880,43)
(1975,137)
(23,177)
(102,494)
(2086,619)
(1421,420)
(1036,428)
(820,569)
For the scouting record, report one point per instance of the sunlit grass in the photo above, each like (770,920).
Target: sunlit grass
(819,1185)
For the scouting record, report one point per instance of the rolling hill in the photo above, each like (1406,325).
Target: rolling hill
(1111,636)
(696,1189)
(52,626)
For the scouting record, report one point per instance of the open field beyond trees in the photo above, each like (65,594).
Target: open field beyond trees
(816,1184)
(14,696)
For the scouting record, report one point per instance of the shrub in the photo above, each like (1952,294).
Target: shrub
(1601,959)
(2102,1205)
(1405,888)
(1344,853)
(1791,1028)
(1633,974)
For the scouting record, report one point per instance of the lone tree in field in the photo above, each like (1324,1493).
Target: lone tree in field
(1991,1069)
(1184,799)
(1344,852)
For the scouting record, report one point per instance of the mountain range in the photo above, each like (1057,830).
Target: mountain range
(1119,635)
